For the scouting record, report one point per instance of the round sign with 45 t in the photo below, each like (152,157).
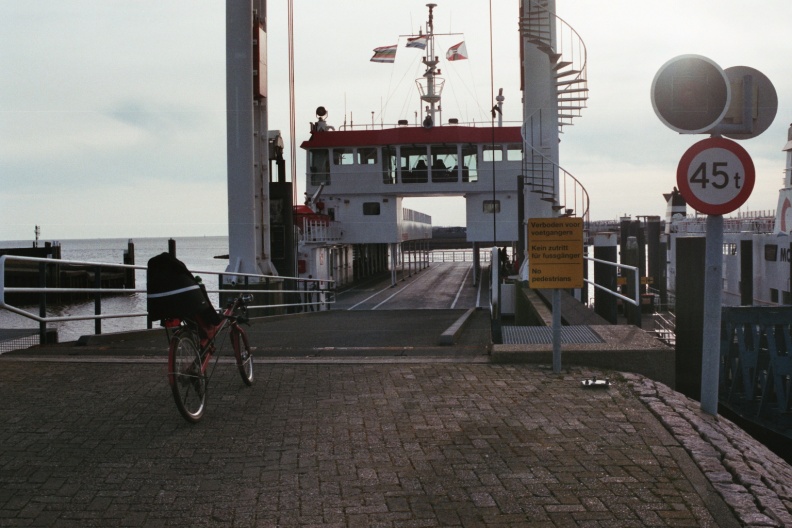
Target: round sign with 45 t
(716,176)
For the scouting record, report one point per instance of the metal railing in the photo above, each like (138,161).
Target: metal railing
(494,284)
(288,293)
(320,231)
(756,362)
(665,327)
(457,255)
(634,301)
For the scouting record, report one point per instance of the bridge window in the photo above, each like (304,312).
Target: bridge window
(771,254)
(514,152)
(390,160)
(343,156)
(371,208)
(445,166)
(319,163)
(469,163)
(367,156)
(414,168)
(493,153)
(491,206)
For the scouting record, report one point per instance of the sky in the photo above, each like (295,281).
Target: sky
(112,113)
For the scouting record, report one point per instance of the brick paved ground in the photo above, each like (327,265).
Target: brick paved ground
(387,444)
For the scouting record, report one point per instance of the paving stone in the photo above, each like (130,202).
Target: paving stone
(426,443)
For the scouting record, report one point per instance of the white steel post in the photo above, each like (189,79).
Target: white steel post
(247,148)
(713,293)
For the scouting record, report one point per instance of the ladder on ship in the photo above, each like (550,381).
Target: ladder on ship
(567,53)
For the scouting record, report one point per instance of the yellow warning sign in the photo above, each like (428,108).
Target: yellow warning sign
(555,252)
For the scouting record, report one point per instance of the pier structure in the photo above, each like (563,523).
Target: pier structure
(349,424)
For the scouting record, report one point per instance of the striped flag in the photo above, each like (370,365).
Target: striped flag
(384,54)
(417,42)
(457,52)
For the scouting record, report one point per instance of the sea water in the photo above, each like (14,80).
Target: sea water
(198,253)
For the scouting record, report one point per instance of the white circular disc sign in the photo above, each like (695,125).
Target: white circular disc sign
(716,176)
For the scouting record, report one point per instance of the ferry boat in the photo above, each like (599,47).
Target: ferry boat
(357,178)
(757,258)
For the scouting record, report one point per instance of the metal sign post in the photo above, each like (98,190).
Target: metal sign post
(555,260)
(715,176)
(691,94)
(713,293)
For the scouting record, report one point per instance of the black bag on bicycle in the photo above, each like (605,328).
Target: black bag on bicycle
(173,292)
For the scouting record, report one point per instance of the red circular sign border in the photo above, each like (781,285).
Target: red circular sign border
(698,148)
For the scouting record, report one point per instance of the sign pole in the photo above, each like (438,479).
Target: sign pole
(555,262)
(715,176)
(556,331)
(713,293)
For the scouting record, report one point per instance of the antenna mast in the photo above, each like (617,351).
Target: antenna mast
(431,86)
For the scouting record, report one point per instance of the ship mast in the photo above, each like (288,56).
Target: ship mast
(431,85)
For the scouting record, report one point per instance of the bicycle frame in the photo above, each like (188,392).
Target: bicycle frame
(191,349)
(230,319)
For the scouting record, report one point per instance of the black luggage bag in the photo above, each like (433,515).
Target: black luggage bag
(173,292)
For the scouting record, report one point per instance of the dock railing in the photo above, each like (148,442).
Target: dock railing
(495,279)
(288,294)
(636,300)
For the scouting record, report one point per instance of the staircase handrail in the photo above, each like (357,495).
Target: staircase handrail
(567,39)
(575,182)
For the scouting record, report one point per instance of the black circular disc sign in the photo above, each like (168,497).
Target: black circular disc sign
(716,176)
(690,94)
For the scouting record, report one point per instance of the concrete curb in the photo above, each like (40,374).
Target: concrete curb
(449,337)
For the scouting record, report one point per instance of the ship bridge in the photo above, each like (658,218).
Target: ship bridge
(363,172)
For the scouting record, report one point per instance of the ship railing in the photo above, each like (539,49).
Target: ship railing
(553,36)
(457,123)
(275,294)
(321,231)
(697,225)
(555,184)
(409,215)
(458,255)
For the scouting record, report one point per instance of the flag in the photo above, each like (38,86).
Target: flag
(457,52)
(417,42)
(384,54)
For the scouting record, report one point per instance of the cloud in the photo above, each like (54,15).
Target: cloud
(102,101)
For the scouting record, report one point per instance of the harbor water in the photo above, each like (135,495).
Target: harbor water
(198,253)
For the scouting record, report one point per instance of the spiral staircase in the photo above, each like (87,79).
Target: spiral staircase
(567,54)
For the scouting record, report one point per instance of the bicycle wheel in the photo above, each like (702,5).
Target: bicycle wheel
(244,358)
(185,375)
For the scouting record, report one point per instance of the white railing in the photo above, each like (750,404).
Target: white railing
(291,293)
(637,299)
(457,255)
(383,125)
(494,285)
(665,327)
(744,224)
(572,195)
(321,231)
